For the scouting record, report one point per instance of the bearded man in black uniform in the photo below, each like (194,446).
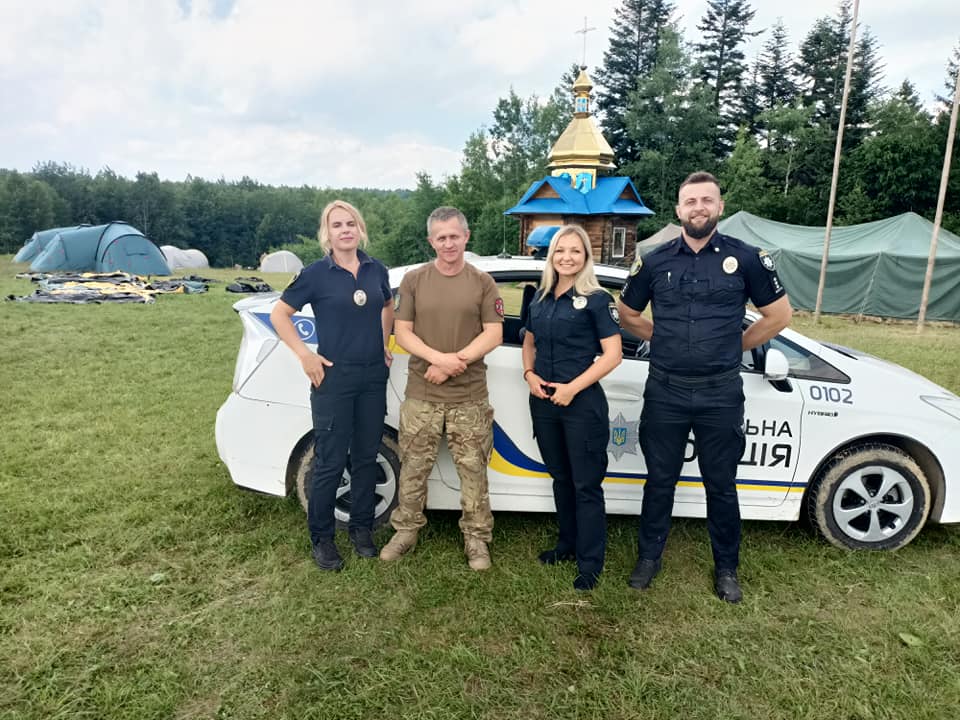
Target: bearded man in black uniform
(697,286)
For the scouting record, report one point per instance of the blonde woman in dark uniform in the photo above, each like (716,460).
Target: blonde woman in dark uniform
(349,292)
(572,340)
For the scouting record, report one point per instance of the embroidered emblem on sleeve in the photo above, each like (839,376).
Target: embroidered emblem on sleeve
(635,268)
(614,313)
(498,306)
(767,261)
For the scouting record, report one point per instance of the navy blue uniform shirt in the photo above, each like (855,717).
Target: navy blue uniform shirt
(698,301)
(567,337)
(346,331)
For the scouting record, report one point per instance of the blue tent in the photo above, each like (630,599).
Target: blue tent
(36,244)
(102,248)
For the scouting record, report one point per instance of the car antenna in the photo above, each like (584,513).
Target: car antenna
(503,237)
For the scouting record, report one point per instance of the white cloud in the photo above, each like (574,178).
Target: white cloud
(322,91)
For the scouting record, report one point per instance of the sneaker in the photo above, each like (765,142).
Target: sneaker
(402,542)
(554,556)
(478,556)
(643,574)
(727,587)
(362,541)
(326,556)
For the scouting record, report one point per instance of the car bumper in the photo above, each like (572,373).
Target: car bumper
(256,439)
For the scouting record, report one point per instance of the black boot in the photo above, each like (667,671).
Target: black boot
(326,556)
(554,556)
(362,541)
(727,587)
(643,573)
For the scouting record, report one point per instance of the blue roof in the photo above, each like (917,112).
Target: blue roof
(604,199)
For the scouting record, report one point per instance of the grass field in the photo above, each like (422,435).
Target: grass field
(137,582)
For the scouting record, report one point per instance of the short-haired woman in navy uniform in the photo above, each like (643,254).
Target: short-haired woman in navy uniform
(572,340)
(349,292)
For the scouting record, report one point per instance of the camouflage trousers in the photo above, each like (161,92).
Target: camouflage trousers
(469,428)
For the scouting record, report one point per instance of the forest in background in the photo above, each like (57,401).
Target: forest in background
(667,104)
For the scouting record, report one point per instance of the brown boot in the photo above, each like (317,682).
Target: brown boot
(478,556)
(402,542)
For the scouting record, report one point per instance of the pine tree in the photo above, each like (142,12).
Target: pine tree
(776,70)
(720,53)
(950,82)
(635,42)
(672,123)
(822,67)
(821,75)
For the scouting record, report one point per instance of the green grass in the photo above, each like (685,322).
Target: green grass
(137,582)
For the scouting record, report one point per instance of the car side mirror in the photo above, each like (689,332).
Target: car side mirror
(775,365)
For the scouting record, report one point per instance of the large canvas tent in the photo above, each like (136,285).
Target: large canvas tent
(665,234)
(281,261)
(102,248)
(876,268)
(178,259)
(38,242)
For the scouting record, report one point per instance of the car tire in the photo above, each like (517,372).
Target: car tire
(869,497)
(388,476)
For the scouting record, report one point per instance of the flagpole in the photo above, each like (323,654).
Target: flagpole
(836,164)
(944,178)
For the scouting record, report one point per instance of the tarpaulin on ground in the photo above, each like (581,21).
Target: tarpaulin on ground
(84,288)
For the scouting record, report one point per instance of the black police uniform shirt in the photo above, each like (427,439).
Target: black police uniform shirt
(698,301)
(567,331)
(348,322)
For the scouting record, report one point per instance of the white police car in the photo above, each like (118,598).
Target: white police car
(868,450)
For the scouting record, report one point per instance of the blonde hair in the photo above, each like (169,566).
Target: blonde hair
(323,234)
(585,283)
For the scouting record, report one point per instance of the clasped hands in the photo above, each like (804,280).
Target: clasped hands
(561,394)
(446,366)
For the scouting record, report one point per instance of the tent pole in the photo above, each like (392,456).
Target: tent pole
(836,163)
(944,178)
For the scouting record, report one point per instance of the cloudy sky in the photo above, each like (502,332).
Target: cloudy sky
(325,93)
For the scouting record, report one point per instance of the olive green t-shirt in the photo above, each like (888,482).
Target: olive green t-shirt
(447,313)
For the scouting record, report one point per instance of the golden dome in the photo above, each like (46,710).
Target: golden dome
(581,147)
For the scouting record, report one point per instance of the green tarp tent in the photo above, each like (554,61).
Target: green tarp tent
(102,248)
(875,268)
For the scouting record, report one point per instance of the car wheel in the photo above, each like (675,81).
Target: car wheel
(388,473)
(870,497)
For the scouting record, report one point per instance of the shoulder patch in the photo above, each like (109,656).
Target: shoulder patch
(498,306)
(396,300)
(614,313)
(637,264)
(767,261)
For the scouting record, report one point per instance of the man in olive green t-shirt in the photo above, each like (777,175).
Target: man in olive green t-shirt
(449,317)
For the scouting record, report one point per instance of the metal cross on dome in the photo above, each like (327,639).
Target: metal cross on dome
(584,32)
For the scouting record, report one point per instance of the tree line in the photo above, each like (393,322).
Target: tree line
(668,105)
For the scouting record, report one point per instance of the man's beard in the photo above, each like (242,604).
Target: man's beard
(703,231)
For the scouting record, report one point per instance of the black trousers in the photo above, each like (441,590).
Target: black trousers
(715,414)
(348,410)
(573,444)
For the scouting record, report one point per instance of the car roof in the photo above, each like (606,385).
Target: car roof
(524,265)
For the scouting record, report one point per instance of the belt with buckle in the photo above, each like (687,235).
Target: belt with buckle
(694,381)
